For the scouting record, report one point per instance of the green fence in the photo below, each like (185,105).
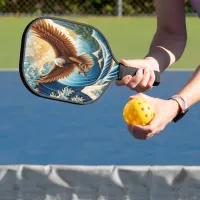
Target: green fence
(80,7)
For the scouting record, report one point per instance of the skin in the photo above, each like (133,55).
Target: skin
(166,48)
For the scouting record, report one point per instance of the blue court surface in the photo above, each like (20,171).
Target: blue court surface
(34,130)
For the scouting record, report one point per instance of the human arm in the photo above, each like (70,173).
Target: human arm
(166,110)
(191,91)
(170,38)
(166,48)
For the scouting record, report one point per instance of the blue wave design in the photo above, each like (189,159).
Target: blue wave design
(108,59)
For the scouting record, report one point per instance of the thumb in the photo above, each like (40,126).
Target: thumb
(155,123)
(138,63)
(150,129)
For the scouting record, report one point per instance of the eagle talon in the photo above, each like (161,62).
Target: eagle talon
(81,65)
(84,74)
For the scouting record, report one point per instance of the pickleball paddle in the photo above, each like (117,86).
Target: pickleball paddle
(68,61)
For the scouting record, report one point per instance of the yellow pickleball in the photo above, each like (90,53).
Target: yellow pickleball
(138,112)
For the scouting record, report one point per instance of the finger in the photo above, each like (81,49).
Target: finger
(131,63)
(130,127)
(156,122)
(134,63)
(143,83)
(148,88)
(146,130)
(151,79)
(133,133)
(154,127)
(141,89)
(136,79)
(137,95)
(125,80)
(156,131)
(141,95)
(136,133)
(140,131)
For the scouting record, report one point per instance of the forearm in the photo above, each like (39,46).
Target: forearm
(166,48)
(170,38)
(191,91)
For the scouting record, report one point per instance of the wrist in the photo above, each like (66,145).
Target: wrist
(154,63)
(181,101)
(182,107)
(175,107)
(163,56)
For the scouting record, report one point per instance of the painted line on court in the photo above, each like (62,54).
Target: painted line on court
(8,70)
(181,69)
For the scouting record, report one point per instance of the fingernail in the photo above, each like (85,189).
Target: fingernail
(132,85)
(123,61)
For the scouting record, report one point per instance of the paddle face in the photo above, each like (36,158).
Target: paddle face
(66,61)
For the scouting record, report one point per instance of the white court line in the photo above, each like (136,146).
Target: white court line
(8,70)
(181,69)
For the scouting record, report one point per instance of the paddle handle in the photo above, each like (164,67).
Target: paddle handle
(123,71)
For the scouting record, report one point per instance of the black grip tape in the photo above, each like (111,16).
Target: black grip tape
(124,71)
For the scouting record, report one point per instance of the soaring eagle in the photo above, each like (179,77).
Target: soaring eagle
(66,55)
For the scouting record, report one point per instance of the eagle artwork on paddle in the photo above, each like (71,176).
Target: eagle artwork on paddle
(66,55)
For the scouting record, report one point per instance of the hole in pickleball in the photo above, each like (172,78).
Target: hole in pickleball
(139,103)
(142,109)
(148,108)
(146,115)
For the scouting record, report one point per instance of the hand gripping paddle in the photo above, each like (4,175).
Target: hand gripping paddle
(68,61)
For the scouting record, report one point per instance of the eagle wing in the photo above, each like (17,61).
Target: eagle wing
(57,73)
(60,43)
